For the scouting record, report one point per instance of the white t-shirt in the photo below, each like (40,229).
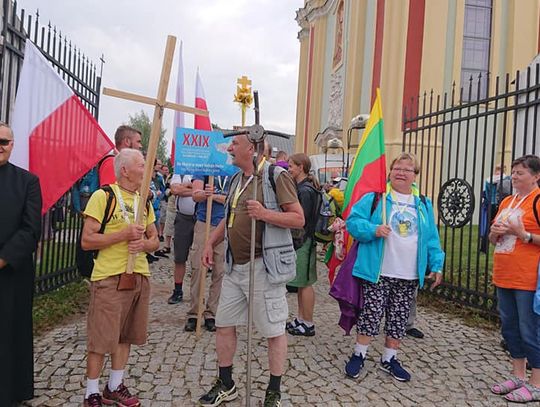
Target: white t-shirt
(401,247)
(184,204)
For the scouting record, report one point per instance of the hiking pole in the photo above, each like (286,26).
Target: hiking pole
(256,142)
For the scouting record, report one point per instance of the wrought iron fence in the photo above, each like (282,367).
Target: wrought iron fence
(55,257)
(459,145)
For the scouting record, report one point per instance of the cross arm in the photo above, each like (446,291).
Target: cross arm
(152,101)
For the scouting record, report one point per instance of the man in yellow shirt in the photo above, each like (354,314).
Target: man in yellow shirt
(117,319)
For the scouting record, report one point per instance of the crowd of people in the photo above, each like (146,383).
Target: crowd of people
(398,251)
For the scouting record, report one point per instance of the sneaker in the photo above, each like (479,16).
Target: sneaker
(415,333)
(303,330)
(210,324)
(393,367)
(218,394)
(120,397)
(176,297)
(191,325)
(161,253)
(293,324)
(93,400)
(354,366)
(272,398)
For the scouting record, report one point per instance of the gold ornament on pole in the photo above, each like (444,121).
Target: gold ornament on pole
(243,96)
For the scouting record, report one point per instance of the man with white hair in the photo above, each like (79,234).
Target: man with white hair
(117,318)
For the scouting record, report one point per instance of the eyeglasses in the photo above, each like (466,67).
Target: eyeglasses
(5,142)
(397,169)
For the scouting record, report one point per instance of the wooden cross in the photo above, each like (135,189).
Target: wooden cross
(160,103)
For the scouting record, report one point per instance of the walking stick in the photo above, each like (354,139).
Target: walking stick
(252,257)
(203,270)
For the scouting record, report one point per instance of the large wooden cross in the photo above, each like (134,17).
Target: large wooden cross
(160,104)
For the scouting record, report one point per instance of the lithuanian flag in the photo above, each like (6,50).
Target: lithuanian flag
(368,172)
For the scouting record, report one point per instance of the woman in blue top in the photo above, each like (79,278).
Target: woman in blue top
(393,255)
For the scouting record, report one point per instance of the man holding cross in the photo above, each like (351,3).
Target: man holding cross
(270,309)
(117,318)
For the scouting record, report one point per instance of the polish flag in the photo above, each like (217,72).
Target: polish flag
(201,122)
(56,137)
(178,116)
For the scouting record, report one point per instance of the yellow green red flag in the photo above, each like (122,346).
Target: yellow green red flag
(368,172)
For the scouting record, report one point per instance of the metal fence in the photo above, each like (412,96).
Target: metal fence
(55,257)
(459,144)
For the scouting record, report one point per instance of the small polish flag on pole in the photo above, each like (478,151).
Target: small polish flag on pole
(201,122)
(56,137)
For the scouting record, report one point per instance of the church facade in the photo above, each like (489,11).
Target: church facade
(349,48)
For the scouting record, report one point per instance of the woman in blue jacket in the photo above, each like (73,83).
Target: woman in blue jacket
(393,255)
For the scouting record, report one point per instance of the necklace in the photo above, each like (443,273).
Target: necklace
(122,204)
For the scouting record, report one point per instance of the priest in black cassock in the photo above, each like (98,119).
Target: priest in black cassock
(20,228)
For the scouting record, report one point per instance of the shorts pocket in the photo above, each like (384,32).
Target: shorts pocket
(277,309)
(280,264)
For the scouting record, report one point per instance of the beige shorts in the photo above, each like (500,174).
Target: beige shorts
(171,215)
(270,309)
(117,316)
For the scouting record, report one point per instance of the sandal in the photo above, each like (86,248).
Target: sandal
(524,394)
(507,386)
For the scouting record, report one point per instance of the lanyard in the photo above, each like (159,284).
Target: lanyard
(400,208)
(221,183)
(511,209)
(123,204)
(240,190)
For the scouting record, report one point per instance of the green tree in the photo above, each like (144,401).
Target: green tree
(142,122)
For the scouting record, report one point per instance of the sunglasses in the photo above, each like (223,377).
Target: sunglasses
(5,142)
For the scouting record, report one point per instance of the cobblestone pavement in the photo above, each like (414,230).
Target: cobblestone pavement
(454,365)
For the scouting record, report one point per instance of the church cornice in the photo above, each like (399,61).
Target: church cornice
(311,12)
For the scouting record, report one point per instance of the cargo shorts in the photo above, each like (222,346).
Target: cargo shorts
(270,309)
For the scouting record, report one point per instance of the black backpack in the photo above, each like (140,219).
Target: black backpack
(84,259)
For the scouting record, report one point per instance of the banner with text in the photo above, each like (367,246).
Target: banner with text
(202,152)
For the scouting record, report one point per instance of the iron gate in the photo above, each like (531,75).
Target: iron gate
(55,257)
(459,143)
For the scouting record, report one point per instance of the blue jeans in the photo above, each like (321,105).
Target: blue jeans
(520,324)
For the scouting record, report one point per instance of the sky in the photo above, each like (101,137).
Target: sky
(226,39)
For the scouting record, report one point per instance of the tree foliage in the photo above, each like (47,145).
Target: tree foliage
(142,122)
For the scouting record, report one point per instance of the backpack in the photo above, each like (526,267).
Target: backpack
(328,211)
(84,259)
(301,235)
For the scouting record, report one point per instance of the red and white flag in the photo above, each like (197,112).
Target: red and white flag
(178,116)
(201,122)
(56,137)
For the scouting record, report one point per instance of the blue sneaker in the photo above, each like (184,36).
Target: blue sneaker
(354,366)
(393,367)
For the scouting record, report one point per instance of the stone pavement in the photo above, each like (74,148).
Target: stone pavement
(454,365)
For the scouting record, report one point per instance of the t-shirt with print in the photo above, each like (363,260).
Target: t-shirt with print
(515,263)
(240,232)
(401,246)
(112,260)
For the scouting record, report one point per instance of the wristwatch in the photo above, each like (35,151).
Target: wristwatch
(527,238)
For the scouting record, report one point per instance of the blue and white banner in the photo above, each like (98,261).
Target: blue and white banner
(202,152)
